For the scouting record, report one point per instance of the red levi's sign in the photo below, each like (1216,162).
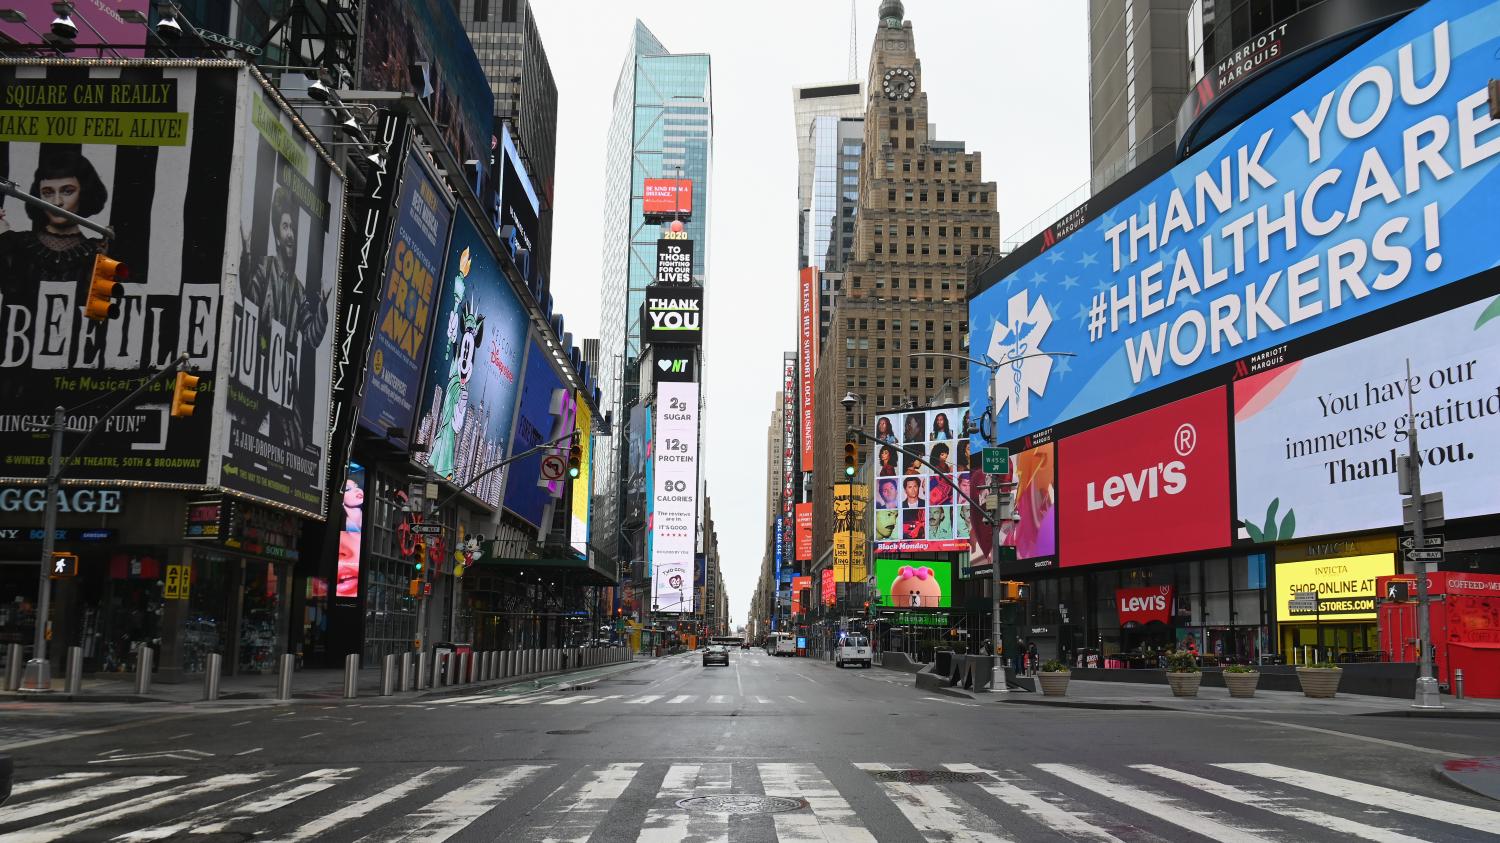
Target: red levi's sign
(1150,485)
(1144,605)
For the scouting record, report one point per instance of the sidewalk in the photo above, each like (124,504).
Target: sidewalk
(312,685)
(1124,696)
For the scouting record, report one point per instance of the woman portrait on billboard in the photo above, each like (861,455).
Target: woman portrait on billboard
(963,455)
(940,428)
(916,461)
(885,432)
(940,462)
(916,428)
(887,461)
(55,248)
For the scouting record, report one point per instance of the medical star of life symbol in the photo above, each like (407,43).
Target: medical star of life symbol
(1019,335)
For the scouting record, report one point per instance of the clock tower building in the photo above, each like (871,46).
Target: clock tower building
(924,213)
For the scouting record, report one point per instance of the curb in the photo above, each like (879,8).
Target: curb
(1039,701)
(1436,715)
(492,684)
(1480,776)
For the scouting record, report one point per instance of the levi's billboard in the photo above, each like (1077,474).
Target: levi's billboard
(1152,484)
(1147,604)
(1371,183)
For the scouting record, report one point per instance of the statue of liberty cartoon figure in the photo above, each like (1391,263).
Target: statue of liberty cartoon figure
(465,330)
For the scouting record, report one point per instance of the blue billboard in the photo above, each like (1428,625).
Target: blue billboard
(1368,184)
(473,369)
(547,412)
(398,344)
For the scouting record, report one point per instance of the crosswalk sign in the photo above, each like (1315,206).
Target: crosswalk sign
(64,565)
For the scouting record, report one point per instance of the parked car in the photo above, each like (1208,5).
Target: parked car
(853,649)
(716,654)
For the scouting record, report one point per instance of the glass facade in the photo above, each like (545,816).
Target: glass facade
(390,610)
(662,127)
(825,188)
(1216,27)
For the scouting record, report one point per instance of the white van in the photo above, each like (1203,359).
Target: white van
(853,649)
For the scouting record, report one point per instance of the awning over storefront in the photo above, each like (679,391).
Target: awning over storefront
(572,571)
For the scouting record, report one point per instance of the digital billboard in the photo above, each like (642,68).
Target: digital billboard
(674,262)
(473,368)
(804,538)
(546,412)
(667,197)
(850,539)
(672,316)
(674,493)
(519,206)
(1370,183)
(98,23)
(1346,587)
(582,503)
(801,586)
(346,583)
(1033,531)
(807,358)
(914,583)
(1316,440)
(1152,484)
(404,322)
(920,460)
(829,587)
(152,159)
(271,420)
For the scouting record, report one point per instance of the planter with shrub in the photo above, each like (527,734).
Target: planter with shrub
(1054,677)
(1320,680)
(1241,680)
(1183,673)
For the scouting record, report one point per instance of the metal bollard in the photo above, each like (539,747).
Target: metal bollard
(465,665)
(424,672)
(351,676)
(15,666)
(1458,684)
(211,673)
(404,681)
(508,665)
(489,665)
(144,659)
(284,677)
(75,669)
(388,675)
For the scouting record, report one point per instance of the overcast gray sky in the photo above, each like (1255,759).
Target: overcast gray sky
(1009,77)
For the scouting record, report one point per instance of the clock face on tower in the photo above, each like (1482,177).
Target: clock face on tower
(899,83)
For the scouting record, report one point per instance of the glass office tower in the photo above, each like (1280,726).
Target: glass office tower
(662,127)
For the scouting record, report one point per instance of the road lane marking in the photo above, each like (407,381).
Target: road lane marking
(1067,822)
(936,814)
(648,698)
(1280,805)
(1164,808)
(718,699)
(364,806)
(216,818)
(1366,738)
(114,813)
(762,700)
(53,804)
(585,806)
(1426,807)
(679,699)
(452,812)
(597,700)
(564,700)
(55,781)
(795,700)
(831,818)
(249,751)
(667,823)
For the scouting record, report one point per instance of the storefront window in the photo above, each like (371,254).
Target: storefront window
(260,617)
(205,630)
(132,609)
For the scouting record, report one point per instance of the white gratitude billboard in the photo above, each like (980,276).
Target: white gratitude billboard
(674,497)
(1316,440)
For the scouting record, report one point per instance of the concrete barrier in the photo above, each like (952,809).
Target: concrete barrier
(900,661)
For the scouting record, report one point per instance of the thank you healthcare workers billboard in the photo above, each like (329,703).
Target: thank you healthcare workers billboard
(1370,183)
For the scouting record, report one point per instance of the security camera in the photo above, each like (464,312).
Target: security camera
(849,400)
(63,27)
(169,29)
(318,91)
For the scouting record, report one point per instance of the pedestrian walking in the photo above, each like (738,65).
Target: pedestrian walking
(1031,657)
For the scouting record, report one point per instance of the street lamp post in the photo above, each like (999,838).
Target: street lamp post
(991,439)
(849,400)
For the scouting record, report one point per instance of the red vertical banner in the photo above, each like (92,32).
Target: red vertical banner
(830,588)
(799,585)
(804,532)
(807,359)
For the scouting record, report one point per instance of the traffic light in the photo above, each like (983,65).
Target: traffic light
(415,588)
(64,565)
(851,456)
(105,289)
(184,395)
(575,458)
(1014,592)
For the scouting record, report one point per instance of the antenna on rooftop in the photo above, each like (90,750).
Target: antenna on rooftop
(854,39)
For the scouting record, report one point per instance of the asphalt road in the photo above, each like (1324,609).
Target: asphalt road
(856,755)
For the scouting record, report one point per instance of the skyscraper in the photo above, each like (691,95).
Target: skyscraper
(811,104)
(661,127)
(924,212)
(509,47)
(1138,78)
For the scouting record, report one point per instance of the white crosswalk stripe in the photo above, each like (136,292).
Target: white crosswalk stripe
(679,699)
(573,802)
(648,698)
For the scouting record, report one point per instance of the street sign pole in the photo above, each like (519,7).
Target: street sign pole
(1427,686)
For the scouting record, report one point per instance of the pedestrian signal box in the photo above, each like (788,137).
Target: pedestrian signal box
(64,565)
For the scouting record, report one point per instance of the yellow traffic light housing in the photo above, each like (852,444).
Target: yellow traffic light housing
(105,289)
(184,395)
(575,458)
(851,457)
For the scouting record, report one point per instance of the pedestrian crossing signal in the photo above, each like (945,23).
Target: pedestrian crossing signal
(64,565)
(184,395)
(851,456)
(105,289)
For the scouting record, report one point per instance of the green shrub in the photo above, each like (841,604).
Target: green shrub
(1181,661)
(1239,668)
(1054,666)
(1323,666)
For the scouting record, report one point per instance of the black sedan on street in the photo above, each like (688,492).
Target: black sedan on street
(716,654)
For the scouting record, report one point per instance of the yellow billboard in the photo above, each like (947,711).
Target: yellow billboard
(850,502)
(1345,587)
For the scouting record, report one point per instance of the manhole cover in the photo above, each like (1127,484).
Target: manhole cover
(742,804)
(569,732)
(925,776)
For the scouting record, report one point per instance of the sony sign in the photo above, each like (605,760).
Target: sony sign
(102,501)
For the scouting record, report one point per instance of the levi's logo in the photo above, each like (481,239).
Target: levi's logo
(1148,603)
(1149,483)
